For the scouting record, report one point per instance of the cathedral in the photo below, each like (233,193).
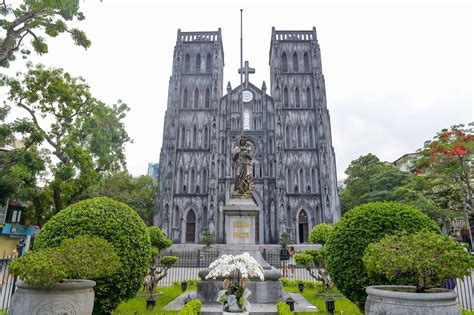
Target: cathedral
(294,167)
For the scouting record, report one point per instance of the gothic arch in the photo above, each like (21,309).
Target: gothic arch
(306,62)
(309,103)
(185,98)
(196,98)
(303,221)
(208,63)
(198,63)
(297,98)
(190,226)
(207,99)
(286,99)
(295,62)
(187,63)
(284,62)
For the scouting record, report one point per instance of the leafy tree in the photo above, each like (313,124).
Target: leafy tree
(320,233)
(207,238)
(83,136)
(158,238)
(35,19)
(369,179)
(285,239)
(448,157)
(138,193)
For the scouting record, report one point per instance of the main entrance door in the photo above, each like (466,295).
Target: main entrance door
(303,227)
(191,227)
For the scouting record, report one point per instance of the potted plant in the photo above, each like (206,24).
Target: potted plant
(237,270)
(422,262)
(54,279)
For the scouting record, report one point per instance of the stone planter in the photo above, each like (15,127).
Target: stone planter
(385,300)
(75,297)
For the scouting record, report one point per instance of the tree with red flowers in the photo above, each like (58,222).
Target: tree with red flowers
(449,157)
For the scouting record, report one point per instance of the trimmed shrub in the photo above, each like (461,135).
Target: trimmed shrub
(192,307)
(283,309)
(430,258)
(320,233)
(83,257)
(358,228)
(158,238)
(118,224)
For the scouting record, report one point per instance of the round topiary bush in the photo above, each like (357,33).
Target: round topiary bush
(119,225)
(320,233)
(357,229)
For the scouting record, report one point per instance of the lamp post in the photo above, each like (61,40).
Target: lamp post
(150,302)
(301,286)
(291,303)
(184,285)
(330,305)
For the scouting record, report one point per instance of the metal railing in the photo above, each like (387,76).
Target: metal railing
(7,283)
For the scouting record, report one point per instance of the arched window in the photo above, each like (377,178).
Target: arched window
(176,217)
(288,137)
(222,146)
(187,63)
(207,99)
(185,98)
(311,137)
(295,62)
(306,62)
(204,217)
(261,170)
(309,103)
(298,134)
(213,169)
(208,63)
(198,63)
(191,227)
(285,98)
(204,181)
(297,98)
(191,183)
(303,227)
(183,137)
(206,137)
(277,93)
(180,180)
(196,98)
(284,63)
(271,169)
(193,145)
(301,178)
(288,180)
(222,169)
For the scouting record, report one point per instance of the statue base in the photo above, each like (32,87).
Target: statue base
(240,216)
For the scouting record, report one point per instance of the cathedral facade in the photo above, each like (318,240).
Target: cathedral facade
(294,166)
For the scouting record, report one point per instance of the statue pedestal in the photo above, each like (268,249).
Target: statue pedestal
(240,216)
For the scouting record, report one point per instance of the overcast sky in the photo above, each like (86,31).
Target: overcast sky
(395,73)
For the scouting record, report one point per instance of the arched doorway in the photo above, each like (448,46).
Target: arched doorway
(303,227)
(191,227)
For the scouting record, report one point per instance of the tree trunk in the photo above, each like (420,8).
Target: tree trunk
(58,204)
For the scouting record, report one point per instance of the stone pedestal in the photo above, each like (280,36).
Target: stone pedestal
(240,216)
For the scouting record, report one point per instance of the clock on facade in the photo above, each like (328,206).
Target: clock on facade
(247,96)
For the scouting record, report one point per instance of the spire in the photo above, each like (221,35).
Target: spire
(264,86)
(229,87)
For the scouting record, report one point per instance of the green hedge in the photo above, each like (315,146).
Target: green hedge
(283,308)
(118,224)
(358,228)
(192,307)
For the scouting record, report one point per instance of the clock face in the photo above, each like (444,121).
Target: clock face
(247,96)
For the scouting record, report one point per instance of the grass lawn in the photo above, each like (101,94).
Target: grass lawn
(137,305)
(342,304)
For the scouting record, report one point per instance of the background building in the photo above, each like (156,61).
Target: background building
(294,164)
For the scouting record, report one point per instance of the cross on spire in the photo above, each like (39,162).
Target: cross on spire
(246,70)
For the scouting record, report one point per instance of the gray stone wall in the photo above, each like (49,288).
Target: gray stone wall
(294,168)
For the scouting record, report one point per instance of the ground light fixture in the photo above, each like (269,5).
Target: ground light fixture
(330,305)
(187,299)
(184,285)
(150,302)
(291,303)
(301,286)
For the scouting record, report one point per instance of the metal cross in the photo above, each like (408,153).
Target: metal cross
(246,70)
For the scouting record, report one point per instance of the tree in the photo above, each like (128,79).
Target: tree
(35,18)
(368,180)
(83,136)
(448,157)
(138,193)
